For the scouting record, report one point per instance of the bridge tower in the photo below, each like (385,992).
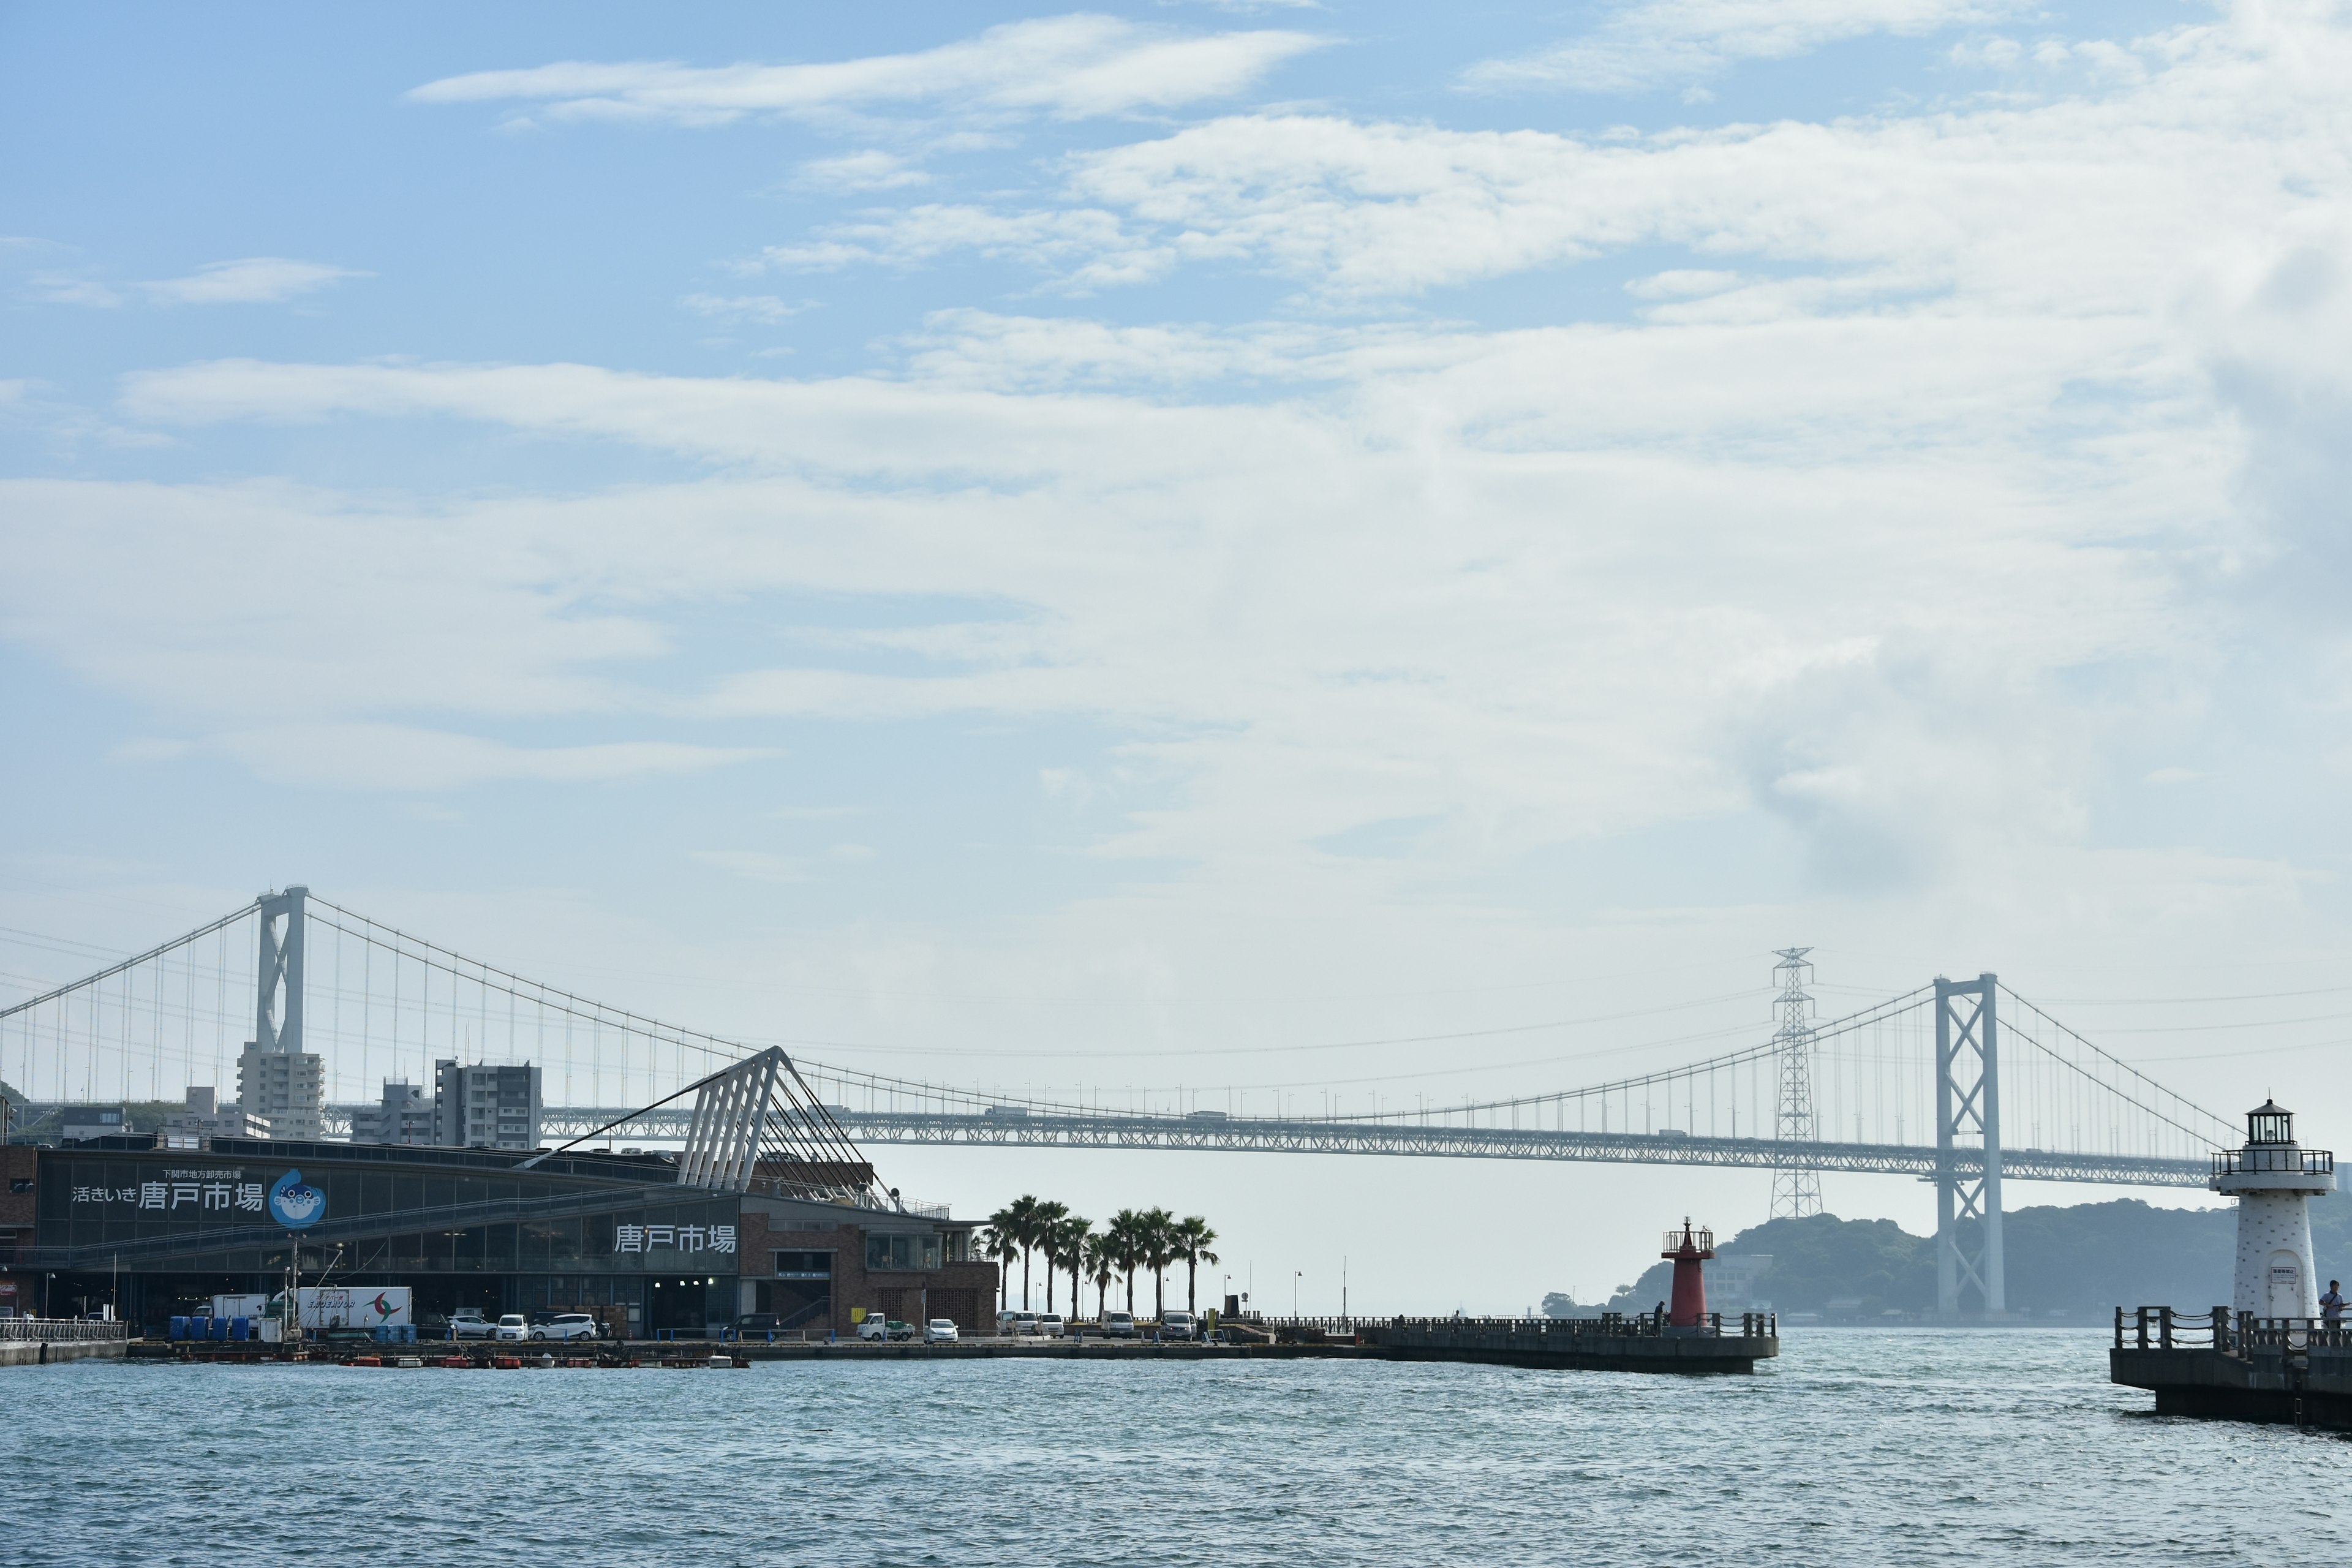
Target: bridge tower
(281,966)
(1796,1189)
(1968,1105)
(276,1077)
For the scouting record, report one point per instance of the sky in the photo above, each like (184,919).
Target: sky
(1140,547)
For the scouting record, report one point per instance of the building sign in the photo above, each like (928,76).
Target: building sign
(214,1191)
(295,1203)
(673,1238)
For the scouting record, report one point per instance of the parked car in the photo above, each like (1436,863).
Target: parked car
(468,1323)
(1016,1323)
(877,1327)
(1051,1326)
(758,1325)
(562,1326)
(1178,1326)
(1119,1325)
(939,1331)
(513,1326)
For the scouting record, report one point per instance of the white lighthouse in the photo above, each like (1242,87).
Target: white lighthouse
(2273,1179)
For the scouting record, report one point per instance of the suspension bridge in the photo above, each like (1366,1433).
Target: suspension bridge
(1935,1084)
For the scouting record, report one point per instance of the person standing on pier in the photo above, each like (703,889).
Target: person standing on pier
(2331,1306)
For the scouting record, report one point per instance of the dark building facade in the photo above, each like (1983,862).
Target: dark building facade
(159,1232)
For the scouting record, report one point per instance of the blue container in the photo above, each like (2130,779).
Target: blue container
(200,1327)
(240,1327)
(220,1328)
(180,1328)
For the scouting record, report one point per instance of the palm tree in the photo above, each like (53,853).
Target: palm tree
(1068,1245)
(1043,1219)
(1193,1238)
(998,1245)
(1020,1218)
(1159,1246)
(1102,1263)
(1127,1247)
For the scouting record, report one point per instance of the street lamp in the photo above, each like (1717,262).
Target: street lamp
(1295,1275)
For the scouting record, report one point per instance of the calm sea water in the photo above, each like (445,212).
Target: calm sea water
(1858,1447)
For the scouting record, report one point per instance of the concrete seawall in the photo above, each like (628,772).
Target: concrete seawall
(42,1353)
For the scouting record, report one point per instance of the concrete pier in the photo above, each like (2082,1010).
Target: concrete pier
(1639,1343)
(1611,1344)
(38,1341)
(2216,1366)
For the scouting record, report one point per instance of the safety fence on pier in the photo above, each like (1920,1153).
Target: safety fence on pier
(2218,1328)
(1607,1325)
(61,1330)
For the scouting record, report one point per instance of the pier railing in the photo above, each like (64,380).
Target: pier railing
(58,1329)
(2218,1328)
(1608,1325)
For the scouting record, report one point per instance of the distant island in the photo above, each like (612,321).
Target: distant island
(2073,1263)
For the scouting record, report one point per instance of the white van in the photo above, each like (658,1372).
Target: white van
(1178,1326)
(1016,1323)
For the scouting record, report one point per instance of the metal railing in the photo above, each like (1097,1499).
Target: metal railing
(56,1329)
(1608,1325)
(2274,1159)
(2218,1328)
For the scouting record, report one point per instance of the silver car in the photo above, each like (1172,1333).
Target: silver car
(565,1326)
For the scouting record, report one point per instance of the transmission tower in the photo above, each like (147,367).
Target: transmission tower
(1796,1189)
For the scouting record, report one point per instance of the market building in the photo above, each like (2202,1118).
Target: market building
(653,1243)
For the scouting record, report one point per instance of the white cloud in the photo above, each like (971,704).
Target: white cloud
(765,308)
(1819,542)
(256,280)
(1089,248)
(403,758)
(1061,67)
(1857,214)
(870,170)
(756,865)
(1656,42)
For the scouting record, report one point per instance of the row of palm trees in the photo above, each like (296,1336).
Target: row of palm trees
(1067,1243)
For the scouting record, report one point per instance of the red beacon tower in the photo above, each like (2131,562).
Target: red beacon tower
(1688,1248)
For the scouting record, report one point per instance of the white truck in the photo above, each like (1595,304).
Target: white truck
(350,1306)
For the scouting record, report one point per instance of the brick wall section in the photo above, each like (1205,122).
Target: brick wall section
(963,1291)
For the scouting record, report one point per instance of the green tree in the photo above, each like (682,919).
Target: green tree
(1127,1247)
(1102,1264)
(1020,1221)
(1193,1239)
(997,1244)
(1067,1245)
(1043,1222)
(1158,1243)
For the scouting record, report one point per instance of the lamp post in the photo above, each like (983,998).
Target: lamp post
(1295,1275)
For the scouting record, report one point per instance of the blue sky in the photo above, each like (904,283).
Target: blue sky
(1009,538)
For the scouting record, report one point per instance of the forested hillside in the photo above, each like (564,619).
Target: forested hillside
(2083,1261)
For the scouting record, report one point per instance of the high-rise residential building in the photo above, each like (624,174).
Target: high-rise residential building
(404,1116)
(284,1087)
(484,1106)
(206,1118)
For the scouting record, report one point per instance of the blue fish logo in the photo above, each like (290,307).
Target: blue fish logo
(295,1203)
